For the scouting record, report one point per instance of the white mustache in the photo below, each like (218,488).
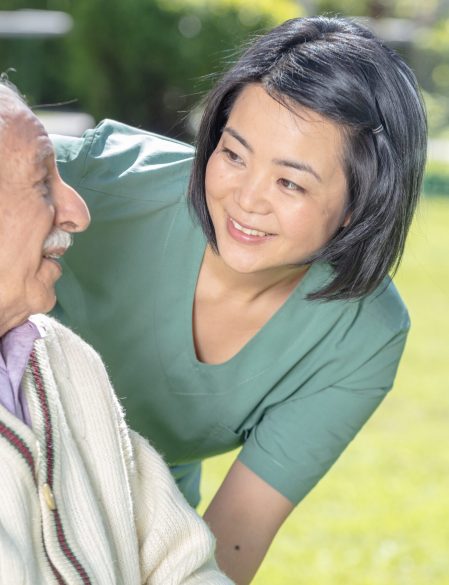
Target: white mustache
(58,240)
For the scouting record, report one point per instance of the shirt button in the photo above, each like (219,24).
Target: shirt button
(49,497)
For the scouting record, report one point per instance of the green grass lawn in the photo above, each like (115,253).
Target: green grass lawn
(381,515)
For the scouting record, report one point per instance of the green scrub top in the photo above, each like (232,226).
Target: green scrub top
(293,397)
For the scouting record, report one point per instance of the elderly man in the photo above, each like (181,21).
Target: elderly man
(82,499)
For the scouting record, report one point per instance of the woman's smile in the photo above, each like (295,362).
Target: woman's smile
(246,234)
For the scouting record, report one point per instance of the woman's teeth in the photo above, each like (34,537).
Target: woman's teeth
(247,231)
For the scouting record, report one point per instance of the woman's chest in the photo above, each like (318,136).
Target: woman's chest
(220,329)
(225,321)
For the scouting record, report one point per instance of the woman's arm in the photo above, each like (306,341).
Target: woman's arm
(245,515)
(286,454)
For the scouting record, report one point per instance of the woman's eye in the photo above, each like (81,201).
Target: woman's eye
(231,155)
(290,185)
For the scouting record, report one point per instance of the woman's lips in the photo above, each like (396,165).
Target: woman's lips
(245,234)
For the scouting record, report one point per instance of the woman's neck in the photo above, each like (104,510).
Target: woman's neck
(249,286)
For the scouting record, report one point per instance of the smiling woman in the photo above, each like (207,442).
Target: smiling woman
(239,293)
(275,178)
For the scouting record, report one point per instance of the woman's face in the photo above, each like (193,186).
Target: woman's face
(275,186)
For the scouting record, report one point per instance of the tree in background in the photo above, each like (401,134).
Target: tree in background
(145,61)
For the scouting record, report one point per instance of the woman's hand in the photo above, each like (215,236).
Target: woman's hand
(245,515)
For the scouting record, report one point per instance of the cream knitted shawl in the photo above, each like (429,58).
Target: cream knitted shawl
(82,499)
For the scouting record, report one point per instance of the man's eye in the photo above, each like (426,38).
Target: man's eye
(45,186)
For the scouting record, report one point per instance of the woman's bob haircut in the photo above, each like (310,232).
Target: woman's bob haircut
(340,70)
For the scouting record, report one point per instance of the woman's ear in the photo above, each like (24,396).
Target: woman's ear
(347,219)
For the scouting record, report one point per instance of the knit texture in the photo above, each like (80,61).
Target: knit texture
(82,499)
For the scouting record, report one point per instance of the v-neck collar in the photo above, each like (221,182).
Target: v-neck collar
(181,262)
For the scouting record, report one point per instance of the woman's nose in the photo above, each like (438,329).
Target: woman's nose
(252,196)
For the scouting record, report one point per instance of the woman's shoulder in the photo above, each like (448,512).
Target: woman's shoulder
(361,325)
(386,307)
(383,308)
(123,161)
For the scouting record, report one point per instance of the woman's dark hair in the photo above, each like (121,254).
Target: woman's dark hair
(340,70)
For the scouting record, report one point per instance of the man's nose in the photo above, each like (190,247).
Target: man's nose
(72,214)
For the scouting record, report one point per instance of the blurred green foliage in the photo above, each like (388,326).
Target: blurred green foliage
(147,62)
(144,62)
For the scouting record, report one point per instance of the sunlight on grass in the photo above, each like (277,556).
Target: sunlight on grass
(381,516)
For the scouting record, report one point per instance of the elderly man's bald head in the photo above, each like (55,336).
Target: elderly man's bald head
(16,118)
(11,104)
(38,211)
(10,99)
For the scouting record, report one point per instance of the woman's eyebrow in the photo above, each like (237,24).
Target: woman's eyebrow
(237,136)
(299,166)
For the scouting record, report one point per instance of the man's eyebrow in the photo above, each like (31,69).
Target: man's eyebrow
(237,136)
(299,166)
(44,153)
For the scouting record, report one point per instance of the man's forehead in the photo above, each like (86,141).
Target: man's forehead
(23,131)
(25,148)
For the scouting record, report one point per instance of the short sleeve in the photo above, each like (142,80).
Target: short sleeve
(119,161)
(297,441)
(71,155)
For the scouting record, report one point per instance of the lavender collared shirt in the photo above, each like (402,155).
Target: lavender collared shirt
(15,349)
